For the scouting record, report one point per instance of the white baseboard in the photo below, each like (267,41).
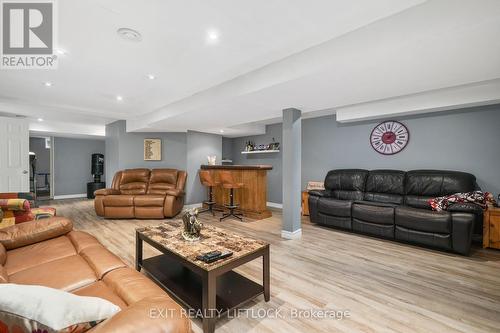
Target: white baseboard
(274,205)
(195,205)
(297,234)
(70,196)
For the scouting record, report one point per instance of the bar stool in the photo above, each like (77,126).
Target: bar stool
(228,182)
(207,181)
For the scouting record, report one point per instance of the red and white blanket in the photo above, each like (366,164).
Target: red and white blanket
(477,197)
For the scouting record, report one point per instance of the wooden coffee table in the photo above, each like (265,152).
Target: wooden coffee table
(209,289)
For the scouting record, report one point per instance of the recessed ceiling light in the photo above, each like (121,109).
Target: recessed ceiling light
(212,36)
(222,131)
(48,84)
(40,119)
(129,34)
(119,98)
(151,76)
(61,51)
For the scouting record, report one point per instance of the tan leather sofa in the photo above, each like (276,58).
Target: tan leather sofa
(50,253)
(142,194)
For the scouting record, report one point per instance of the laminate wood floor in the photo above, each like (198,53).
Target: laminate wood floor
(384,286)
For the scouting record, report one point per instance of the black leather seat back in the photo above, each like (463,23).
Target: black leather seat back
(422,185)
(385,186)
(346,184)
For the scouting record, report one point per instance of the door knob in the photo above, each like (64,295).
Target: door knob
(25,172)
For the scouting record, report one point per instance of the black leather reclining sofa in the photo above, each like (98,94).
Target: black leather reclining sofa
(394,204)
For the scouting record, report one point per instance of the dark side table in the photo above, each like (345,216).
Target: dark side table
(92,187)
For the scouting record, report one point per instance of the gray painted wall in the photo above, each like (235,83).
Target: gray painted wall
(199,146)
(227,148)
(126,150)
(72,161)
(183,151)
(465,140)
(274,181)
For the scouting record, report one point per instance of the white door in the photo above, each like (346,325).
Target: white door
(14,155)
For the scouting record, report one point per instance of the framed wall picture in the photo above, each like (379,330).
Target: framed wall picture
(152,149)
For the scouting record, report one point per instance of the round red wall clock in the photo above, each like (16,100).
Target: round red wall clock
(389,137)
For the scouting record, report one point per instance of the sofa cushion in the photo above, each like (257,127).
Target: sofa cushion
(82,240)
(149,200)
(423,220)
(118,201)
(373,212)
(68,274)
(346,184)
(422,185)
(134,188)
(134,176)
(168,176)
(101,260)
(335,207)
(130,285)
(134,181)
(101,290)
(385,186)
(39,253)
(160,188)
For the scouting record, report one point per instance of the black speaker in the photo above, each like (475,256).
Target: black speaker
(97,166)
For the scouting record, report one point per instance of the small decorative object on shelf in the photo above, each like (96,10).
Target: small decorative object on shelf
(211,159)
(191,226)
(249,146)
(272,147)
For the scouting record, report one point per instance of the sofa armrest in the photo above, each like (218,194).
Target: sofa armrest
(158,314)
(175,192)
(465,207)
(106,191)
(27,233)
(319,193)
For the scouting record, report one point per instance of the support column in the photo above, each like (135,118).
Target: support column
(292,151)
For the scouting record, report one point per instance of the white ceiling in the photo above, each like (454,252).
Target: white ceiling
(271,54)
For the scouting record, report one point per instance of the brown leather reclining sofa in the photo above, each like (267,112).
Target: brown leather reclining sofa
(50,253)
(142,194)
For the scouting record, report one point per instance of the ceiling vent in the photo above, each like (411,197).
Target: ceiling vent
(129,34)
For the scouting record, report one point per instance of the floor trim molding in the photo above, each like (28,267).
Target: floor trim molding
(297,234)
(195,205)
(274,205)
(70,196)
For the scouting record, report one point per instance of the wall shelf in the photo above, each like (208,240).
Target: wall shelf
(260,151)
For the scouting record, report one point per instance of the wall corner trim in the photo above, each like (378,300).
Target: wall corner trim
(297,234)
(274,205)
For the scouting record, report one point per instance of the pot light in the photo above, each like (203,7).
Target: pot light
(119,98)
(221,131)
(40,119)
(212,36)
(48,84)
(61,51)
(151,76)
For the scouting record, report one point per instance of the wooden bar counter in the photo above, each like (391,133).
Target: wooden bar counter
(252,198)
